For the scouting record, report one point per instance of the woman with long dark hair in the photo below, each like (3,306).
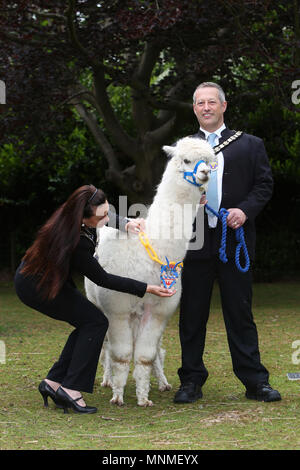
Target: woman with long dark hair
(43,281)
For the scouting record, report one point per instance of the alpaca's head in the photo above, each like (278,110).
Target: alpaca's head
(186,155)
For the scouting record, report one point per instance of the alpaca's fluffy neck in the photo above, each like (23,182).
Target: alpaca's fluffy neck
(169,224)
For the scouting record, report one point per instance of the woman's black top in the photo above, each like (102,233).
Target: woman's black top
(84,262)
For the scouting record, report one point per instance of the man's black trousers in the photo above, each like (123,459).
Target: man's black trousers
(198,278)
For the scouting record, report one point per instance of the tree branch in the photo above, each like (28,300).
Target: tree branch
(142,113)
(167,104)
(13,37)
(164,132)
(146,65)
(165,114)
(90,97)
(91,121)
(74,38)
(47,14)
(123,140)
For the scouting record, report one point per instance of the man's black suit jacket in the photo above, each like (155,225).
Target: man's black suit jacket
(247,184)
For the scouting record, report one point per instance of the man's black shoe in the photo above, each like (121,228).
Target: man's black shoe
(188,393)
(263,392)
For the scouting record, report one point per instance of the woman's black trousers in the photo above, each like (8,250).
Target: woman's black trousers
(77,365)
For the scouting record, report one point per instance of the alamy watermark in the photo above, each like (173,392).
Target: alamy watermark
(296,93)
(2,352)
(296,354)
(2,92)
(175,222)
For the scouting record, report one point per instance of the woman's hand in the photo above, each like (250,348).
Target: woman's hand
(135,225)
(160,291)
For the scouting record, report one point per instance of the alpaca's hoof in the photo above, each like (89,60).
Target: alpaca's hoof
(117,401)
(164,387)
(145,402)
(106,383)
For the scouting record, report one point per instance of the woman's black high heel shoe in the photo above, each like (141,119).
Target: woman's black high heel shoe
(47,391)
(67,402)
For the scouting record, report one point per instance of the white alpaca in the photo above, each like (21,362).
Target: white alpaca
(136,325)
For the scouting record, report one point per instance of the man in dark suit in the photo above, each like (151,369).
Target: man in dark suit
(243,185)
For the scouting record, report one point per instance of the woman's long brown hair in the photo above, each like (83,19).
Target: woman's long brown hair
(50,254)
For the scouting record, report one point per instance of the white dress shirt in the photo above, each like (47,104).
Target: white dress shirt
(212,219)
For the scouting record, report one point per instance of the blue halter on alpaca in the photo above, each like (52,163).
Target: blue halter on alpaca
(186,174)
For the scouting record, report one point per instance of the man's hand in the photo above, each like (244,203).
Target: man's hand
(135,225)
(236,218)
(203,200)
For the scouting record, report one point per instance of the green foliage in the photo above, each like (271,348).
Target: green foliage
(279,126)
(120,99)
(34,182)
(277,255)
(27,175)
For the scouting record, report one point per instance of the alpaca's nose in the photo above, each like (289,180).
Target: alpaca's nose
(205,173)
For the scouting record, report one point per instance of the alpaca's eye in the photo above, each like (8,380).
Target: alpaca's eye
(186,160)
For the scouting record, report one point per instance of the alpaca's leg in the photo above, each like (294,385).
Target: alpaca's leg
(146,346)
(158,369)
(90,289)
(120,353)
(106,364)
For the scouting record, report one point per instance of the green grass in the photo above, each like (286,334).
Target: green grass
(223,420)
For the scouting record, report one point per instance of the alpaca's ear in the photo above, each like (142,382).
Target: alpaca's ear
(170,151)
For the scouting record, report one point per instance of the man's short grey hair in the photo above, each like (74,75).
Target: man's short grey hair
(213,85)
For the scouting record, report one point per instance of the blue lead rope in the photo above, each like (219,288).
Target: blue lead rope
(239,235)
